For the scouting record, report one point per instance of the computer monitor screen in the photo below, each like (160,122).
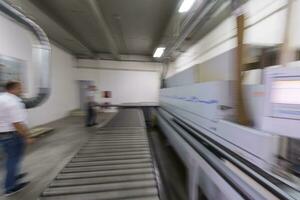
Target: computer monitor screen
(286,92)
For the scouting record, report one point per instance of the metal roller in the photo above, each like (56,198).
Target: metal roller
(140,193)
(102,180)
(107,168)
(99,188)
(110,162)
(115,154)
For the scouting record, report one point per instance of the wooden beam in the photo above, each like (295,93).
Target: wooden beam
(288,53)
(242,116)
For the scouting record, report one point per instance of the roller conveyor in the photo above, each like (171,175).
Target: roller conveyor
(115,163)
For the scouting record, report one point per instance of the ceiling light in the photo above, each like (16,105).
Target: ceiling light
(186,5)
(159,52)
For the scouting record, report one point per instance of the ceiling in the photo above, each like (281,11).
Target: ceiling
(136,26)
(122,29)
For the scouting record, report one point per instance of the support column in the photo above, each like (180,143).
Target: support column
(242,116)
(287,53)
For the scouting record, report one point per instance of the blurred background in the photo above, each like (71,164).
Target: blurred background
(217,83)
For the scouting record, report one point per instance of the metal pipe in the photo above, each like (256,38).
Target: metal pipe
(205,7)
(42,54)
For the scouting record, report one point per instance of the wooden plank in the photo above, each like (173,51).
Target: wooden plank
(242,116)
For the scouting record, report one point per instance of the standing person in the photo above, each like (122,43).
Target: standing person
(13,135)
(91,114)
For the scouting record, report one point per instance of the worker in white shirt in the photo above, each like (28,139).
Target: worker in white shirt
(13,135)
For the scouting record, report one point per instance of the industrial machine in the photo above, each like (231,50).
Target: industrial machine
(282,112)
(237,161)
(275,108)
(282,102)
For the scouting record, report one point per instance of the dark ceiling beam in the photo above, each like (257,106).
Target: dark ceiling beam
(97,13)
(60,22)
(123,57)
(169,33)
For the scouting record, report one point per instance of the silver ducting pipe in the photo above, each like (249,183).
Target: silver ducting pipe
(190,24)
(41,54)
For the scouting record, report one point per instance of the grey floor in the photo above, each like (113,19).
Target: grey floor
(50,153)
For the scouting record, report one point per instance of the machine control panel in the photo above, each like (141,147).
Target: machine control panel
(285,97)
(282,102)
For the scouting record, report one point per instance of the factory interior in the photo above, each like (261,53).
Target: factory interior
(154,99)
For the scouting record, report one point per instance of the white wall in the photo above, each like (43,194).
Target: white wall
(129,81)
(64,92)
(265,21)
(15,41)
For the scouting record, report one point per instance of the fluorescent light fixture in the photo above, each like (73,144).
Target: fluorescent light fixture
(186,5)
(159,52)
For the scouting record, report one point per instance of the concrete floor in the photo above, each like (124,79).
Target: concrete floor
(50,153)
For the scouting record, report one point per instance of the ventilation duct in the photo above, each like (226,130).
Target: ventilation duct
(41,54)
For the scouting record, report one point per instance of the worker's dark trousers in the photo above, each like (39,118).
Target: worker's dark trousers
(13,148)
(91,116)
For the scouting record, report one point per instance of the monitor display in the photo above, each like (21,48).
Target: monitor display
(286,92)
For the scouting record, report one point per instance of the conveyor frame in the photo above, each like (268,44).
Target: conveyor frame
(116,163)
